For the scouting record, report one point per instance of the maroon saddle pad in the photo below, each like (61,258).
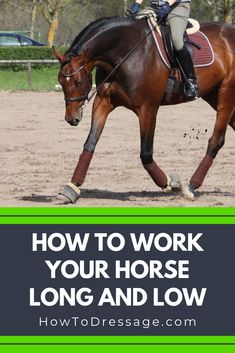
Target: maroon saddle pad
(202,56)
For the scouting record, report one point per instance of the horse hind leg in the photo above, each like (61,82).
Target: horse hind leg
(101,108)
(225,116)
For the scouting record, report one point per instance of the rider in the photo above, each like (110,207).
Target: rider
(176,14)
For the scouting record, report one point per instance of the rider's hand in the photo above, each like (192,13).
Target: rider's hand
(164,11)
(134,8)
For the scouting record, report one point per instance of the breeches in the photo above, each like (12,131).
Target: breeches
(177,20)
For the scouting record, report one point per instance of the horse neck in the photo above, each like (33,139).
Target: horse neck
(110,43)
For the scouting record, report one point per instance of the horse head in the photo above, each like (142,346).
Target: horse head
(76,80)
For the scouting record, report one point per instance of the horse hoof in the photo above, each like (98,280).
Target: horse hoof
(173,184)
(70,194)
(188,193)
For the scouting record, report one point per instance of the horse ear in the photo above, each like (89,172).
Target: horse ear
(57,54)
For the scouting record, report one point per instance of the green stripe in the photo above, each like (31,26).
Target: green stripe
(66,215)
(133,340)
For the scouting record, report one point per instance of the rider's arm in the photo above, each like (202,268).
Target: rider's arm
(135,7)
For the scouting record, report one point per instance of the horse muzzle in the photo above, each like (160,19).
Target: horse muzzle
(74,116)
(74,119)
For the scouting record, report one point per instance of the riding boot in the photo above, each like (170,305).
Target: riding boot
(186,65)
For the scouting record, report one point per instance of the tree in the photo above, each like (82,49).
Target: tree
(24,9)
(51,10)
(215,10)
(59,21)
(34,9)
(227,9)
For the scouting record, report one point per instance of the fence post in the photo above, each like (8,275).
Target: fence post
(29,75)
(29,65)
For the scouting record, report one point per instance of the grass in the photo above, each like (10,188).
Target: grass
(42,79)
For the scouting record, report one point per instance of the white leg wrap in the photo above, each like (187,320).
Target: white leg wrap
(168,187)
(173,183)
(69,194)
(188,193)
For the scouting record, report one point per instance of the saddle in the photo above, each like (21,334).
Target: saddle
(200,47)
(197,42)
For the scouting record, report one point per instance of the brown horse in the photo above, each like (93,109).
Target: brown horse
(130,73)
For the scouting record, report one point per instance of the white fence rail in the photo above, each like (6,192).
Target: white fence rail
(26,62)
(29,64)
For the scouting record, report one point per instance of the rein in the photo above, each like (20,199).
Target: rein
(90,96)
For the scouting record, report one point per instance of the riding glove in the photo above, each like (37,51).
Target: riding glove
(134,8)
(164,11)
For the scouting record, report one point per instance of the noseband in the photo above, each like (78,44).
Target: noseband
(75,99)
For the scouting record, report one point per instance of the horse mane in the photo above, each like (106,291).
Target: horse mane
(93,28)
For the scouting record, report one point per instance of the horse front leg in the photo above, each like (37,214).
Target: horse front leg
(216,142)
(101,108)
(147,120)
(232,122)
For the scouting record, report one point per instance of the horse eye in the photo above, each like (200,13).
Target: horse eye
(78,83)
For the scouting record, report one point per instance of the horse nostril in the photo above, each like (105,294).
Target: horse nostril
(76,121)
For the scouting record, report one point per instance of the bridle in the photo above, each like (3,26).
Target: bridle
(80,98)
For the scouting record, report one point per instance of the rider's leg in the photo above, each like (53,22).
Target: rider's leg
(177,20)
